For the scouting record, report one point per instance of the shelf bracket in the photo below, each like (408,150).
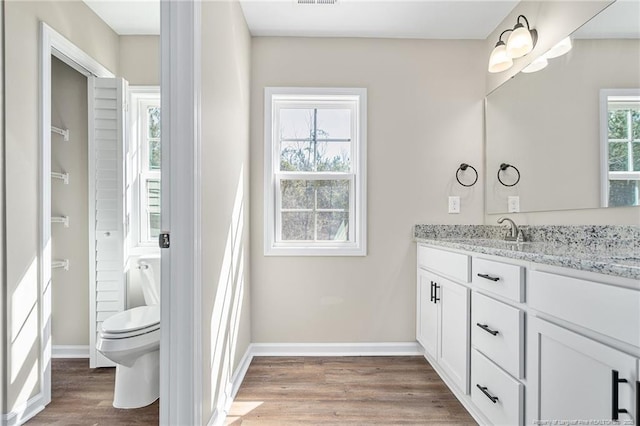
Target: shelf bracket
(62,176)
(60,264)
(61,219)
(63,132)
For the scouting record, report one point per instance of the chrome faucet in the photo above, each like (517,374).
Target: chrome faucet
(513,234)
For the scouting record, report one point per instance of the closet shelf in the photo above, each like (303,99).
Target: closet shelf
(60,264)
(62,176)
(63,132)
(61,219)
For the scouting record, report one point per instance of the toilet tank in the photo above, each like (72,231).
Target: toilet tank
(148,268)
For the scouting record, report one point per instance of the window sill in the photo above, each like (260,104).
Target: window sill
(315,251)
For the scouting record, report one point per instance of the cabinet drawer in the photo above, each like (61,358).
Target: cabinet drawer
(499,278)
(606,309)
(498,332)
(503,402)
(454,265)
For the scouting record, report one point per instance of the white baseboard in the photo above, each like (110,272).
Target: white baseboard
(70,351)
(336,349)
(24,412)
(241,371)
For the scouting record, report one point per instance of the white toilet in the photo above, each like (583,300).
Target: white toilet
(131,339)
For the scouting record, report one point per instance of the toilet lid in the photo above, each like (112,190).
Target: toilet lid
(134,319)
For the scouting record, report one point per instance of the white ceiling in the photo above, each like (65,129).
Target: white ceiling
(433,19)
(443,19)
(439,19)
(128,17)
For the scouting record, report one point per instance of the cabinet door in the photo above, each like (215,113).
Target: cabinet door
(427,326)
(453,353)
(571,377)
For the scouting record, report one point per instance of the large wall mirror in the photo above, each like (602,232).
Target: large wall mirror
(572,129)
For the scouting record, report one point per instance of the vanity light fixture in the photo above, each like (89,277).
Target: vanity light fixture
(522,40)
(539,63)
(499,60)
(562,47)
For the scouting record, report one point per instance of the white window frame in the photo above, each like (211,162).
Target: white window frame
(326,97)
(140,98)
(607,95)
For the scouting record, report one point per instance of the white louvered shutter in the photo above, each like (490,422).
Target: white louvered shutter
(107,124)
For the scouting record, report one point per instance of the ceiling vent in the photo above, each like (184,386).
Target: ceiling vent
(329,2)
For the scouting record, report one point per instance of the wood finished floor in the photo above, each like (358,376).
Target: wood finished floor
(83,396)
(344,390)
(279,391)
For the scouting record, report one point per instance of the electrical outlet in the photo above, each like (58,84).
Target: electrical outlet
(454,204)
(513,203)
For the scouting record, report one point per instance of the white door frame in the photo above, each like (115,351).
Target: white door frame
(52,43)
(180,311)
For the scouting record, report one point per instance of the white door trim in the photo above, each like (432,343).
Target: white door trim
(180,334)
(52,43)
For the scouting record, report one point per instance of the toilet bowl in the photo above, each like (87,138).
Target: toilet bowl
(131,339)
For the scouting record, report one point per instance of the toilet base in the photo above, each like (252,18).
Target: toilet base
(138,385)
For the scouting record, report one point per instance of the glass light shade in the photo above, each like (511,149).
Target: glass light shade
(540,63)
(520,42)
(499,60)
(559,49)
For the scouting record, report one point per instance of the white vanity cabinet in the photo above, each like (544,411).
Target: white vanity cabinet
(520,342)
(442,326)
(497,340)
(574,378)
(583,367)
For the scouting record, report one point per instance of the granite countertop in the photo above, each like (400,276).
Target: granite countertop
(610,250)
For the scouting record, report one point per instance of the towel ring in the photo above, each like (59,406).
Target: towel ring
(505,166)
(464,167)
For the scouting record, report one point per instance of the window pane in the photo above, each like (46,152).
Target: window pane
(333,156)
(296,156)
(153,114)
(305,147)
(618,124)
(635,123)
(334,123)
(333,226)
(623,193)
(296,123)
(154,155)
(154,226)
(153,207)
(636,156)
(618,156)
(297,226)
(297,194)
(333,194)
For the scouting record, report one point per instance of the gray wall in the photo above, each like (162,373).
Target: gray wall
(425,101)
(226,46)
(139,57)
(70,289)
(78,23)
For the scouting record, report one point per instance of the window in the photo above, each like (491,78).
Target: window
(144,158)
(315,189)
(620,147)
